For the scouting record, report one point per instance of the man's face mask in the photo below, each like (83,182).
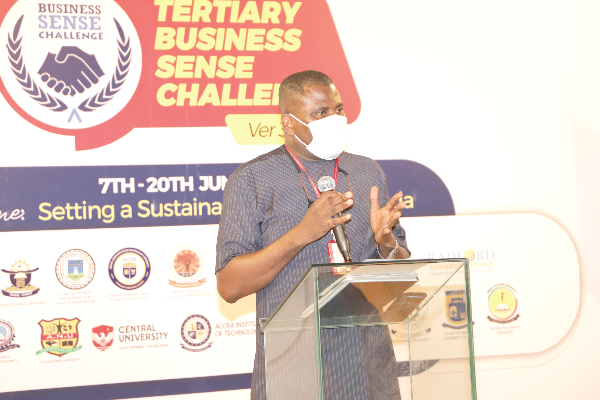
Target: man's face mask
(329,136)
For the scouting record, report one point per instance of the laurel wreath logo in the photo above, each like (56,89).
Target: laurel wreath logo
(44,99)
(118,78)
(20,71)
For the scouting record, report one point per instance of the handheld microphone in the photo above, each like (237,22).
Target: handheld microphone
(327,184)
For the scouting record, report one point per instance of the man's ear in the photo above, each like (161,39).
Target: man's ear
(287,124)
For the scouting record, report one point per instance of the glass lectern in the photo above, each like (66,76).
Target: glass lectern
(423,305)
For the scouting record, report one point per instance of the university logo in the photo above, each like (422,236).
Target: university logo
(20,278)
(195,332)
(502,303)
(7,335)
(70,65)
(129,268)
(75,269)
(456,309)
(477,258)
(102,337)
(186,264)
(59,336)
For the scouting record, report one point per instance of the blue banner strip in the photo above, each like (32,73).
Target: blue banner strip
(133,390)
(171,387)
(91,197)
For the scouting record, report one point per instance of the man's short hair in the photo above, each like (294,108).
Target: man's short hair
(293,86)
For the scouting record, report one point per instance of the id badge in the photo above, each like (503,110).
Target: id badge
(335,256)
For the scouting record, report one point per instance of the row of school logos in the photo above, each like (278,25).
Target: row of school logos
(62,336)
(128,269)
(502,309)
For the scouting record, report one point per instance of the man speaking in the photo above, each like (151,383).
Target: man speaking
(276,223)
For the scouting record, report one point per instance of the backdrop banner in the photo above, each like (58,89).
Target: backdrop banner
(122,122)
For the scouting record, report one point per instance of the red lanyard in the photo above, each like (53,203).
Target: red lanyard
(315,188)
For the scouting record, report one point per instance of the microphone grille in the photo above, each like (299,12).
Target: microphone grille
(326,184)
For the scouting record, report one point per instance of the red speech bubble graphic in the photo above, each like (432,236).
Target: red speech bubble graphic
(95,69)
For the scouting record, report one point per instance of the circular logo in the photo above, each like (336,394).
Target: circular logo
(196,330)
(186,263)
(70,65)
(129,268)
(75,269)
(7,333)
(502,302)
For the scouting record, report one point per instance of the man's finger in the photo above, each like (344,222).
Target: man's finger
(393,202)
(331,199)
(340,220)
(394,219)
(328,199)
(338,208)
(374,199)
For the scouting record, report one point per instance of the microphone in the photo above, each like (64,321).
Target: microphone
(327,184)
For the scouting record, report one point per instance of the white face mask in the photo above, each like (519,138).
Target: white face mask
(329,136)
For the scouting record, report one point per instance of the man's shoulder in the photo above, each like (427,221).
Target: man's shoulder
(260,166)
(355,161)
(356,157)
(266,160)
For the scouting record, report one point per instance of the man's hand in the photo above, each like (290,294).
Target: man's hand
(383,219)
(319,219)
(248,273)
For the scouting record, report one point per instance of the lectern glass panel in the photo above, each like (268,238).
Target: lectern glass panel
(371,330)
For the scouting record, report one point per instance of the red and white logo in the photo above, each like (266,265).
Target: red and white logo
(103,337)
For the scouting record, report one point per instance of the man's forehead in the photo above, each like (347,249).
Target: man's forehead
(310,97)
(317,96)
(313,89)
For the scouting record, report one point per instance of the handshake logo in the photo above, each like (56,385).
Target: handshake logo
(76,77)
(71,71)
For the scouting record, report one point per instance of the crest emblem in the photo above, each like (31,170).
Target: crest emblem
(75,269)
(186,265)
(456,309)
(60,336)
(102,337)
(129,268)
(7,335)
(503,303)
(20,278)
(195,332)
